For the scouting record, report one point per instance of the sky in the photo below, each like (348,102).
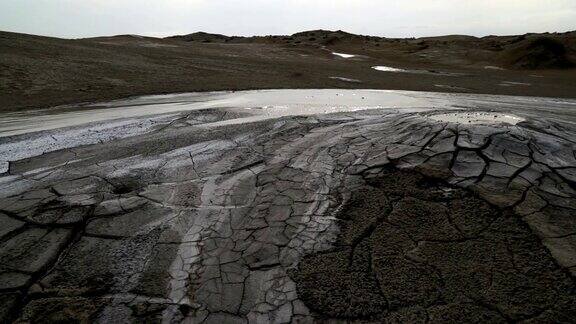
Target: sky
(388,18)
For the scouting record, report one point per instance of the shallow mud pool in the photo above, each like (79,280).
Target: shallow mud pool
(265,104)
(482,118)
(290,206)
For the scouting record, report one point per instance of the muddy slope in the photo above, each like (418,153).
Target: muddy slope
(186,221)
(40,72)
(540,53)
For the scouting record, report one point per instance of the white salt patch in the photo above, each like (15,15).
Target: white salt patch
(343,55)
(477,118)
(490,67)
(346,79)
(511,84)
(383,68)
(387,69)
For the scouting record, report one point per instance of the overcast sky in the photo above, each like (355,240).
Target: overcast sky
(390,18)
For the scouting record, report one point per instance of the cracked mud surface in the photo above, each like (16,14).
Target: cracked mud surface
(381,215)
(412,250)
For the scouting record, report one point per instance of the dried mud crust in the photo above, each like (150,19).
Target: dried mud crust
(412,249)
(203,225)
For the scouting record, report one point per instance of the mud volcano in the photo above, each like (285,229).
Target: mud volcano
(292,206)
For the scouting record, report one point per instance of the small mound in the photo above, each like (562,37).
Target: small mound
(539,53)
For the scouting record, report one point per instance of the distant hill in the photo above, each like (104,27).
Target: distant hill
(540,52)
(529,51)
(203,37)
(323,37)
(39,72)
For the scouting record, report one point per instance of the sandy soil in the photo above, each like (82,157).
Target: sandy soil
(39,72)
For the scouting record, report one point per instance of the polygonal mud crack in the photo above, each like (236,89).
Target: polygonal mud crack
(409,249)
(204,224)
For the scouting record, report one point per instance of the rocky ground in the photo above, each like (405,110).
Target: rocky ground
(380,215)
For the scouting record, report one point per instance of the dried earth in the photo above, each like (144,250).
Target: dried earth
(371,215)
(43,72)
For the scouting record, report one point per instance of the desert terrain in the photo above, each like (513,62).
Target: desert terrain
(42,72)
(321,177)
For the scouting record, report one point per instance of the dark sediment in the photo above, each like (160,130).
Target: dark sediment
(540,53)
(412,249)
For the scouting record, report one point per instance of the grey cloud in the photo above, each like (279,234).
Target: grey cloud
(72,18)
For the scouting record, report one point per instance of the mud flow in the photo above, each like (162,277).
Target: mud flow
(326,209)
